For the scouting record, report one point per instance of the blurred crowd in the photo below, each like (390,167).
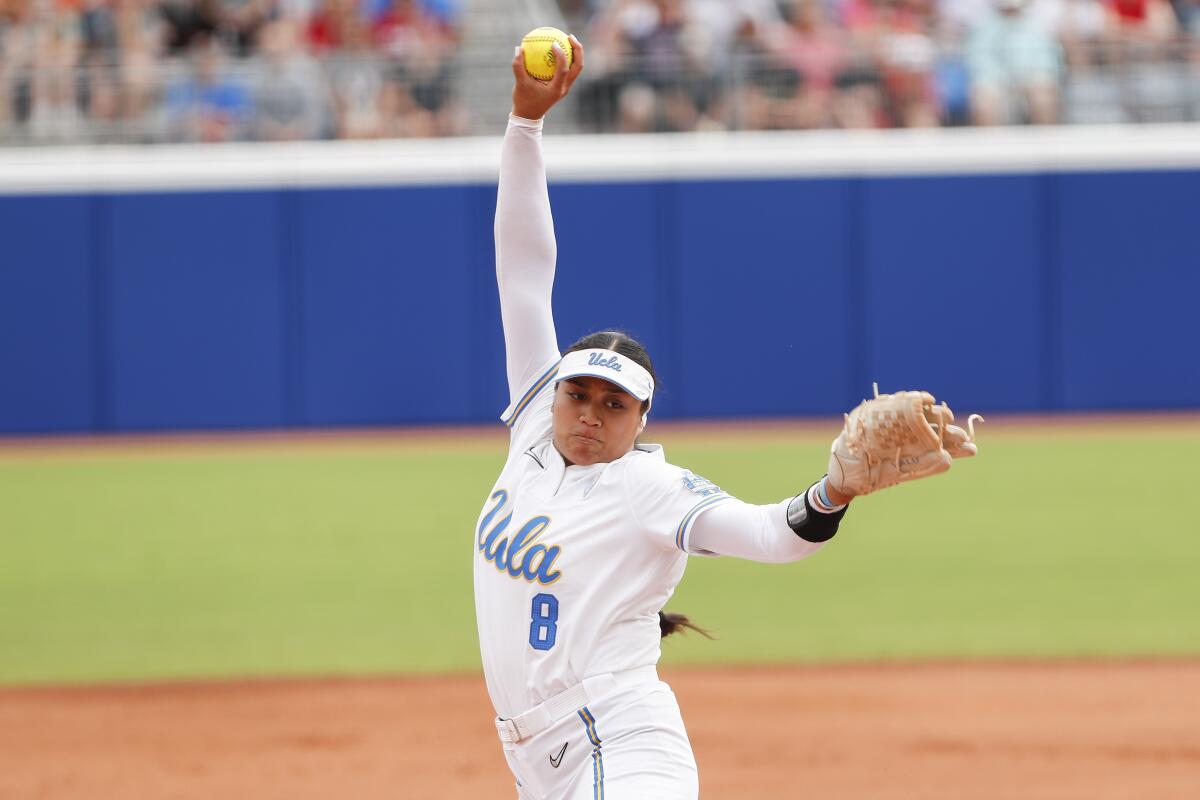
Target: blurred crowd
(227,70)
(763,64)
(273,70)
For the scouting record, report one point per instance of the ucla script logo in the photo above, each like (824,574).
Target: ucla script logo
(597,360)
(521,556)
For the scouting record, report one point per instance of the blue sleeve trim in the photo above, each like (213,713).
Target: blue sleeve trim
(690,517)
(510,419)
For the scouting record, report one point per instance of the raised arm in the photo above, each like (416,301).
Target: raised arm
(524,229)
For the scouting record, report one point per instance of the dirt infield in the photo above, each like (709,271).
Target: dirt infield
(1123,730)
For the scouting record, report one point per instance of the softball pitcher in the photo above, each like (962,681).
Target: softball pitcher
(586,532)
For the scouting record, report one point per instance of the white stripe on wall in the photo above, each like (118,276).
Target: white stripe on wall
(606,158)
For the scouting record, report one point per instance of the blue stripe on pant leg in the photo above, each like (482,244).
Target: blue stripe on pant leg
(589,724)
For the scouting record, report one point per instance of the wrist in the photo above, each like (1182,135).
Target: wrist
(832,495)
(811,519)
(523,121)
(824,498)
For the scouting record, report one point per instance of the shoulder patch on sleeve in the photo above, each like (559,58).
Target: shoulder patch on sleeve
(698,485)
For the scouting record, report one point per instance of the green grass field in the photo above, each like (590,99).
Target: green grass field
(319,560)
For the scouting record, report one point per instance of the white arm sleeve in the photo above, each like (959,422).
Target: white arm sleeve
(525,255)
(758,533)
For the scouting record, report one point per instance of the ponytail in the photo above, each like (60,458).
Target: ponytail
(669,622)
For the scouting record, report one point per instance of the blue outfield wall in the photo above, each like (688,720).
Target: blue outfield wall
(372,306)
(50,332)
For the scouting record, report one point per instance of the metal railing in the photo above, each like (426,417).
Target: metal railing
(368,97)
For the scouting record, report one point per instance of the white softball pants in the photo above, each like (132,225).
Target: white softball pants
(628,745)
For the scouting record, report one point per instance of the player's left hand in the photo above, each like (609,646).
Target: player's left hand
(894,438)
(533,98)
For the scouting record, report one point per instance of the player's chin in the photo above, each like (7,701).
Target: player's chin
(585,450)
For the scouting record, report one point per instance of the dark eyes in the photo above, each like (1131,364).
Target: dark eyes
(578,398)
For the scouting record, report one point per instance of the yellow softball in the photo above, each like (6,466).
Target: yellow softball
(539,58)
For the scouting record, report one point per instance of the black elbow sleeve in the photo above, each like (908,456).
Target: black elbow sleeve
(809,525)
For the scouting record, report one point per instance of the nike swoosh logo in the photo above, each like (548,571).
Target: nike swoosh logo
(554,762)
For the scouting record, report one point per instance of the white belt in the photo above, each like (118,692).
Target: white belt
(543,715)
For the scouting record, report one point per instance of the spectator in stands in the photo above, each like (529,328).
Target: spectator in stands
(907,58)
(415,82)
(576,13)
(817,53)
(103,105)
(447,14)
(637,108)
(422,87)
(718,28)
(600,88)
(956,17)
(443,15)
(1143,21)
(356,76)
(239,23)
(726,36)
(119,63)
(1082,26)
(98,28)
(100,101)
(56,47)
(399,30)
(1015,65)
(859,103)
(1156,83)
(142,36)
(1188,12)
(209,104)
(289,89)
(952,82)
(186,20)
(665,51)
(891,43)
(1192,64)
(14,58)
(96,79)
(768,85)
(864,22)
(859,90)
(327,27)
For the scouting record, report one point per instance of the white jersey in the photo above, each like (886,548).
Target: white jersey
(573,563)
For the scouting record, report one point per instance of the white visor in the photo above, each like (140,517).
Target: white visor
(612,367)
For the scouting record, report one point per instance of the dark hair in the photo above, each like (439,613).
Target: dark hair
(619,342)
(669,623)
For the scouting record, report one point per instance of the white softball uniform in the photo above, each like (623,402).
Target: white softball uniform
(573,563)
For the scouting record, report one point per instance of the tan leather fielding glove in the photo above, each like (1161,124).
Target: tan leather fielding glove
(895,438)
